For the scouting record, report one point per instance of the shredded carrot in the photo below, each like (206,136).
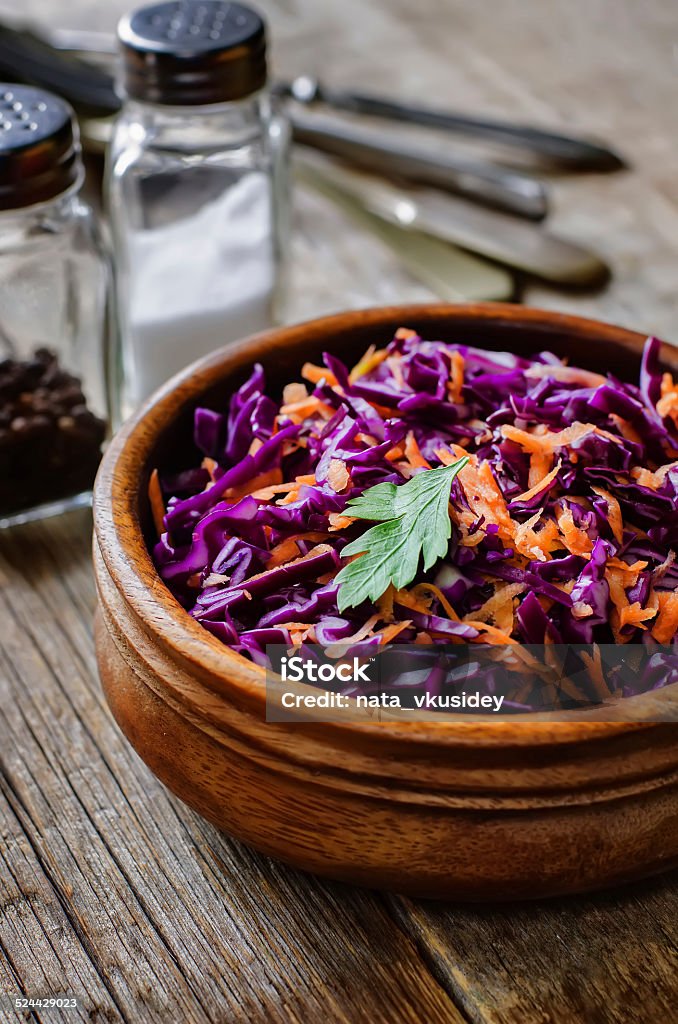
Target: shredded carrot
(413,453)
(411,601)
(537,544)
(618,583)
(338,476)
(485,498)
(662,569)
(367,363)
(215,579)
(291,496)
(395,453)
(627,431)
(293,393)
(456,381)
(449,455)
(498,609)
(315,374)
(156,502)
(576,541)
(540,466)
(614,513)
(567,374)
(549,440)
(367,439)
(266,480)
(431,588)
(646,478)
(635,615)
(470,540)
(211,465)
(303,410)
(288,549)
(338,521)
(595,666)
(268,493)
(667,406)
(195,580)
(633,568)
(385,604)
(294,491)
(423,638)
(540,485)
(393,363)
(391,632)
(490,634)
(666,623)
(299,631)
(403,333)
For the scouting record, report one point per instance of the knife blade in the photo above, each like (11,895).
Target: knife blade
(449,272)
(565,151)
(496,236)
(483,182)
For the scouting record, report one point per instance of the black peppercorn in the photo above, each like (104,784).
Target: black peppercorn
(50,442)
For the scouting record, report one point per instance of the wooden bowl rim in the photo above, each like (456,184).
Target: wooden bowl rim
(118,532)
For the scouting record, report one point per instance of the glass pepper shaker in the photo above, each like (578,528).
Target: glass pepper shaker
(54,281)
(196,188)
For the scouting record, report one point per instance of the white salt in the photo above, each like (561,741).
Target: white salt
(199,283)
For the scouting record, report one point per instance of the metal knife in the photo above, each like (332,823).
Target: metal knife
(450,273)
(483,182)
(488,233)
(565,151)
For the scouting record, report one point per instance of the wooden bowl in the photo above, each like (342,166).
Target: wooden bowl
(470,810)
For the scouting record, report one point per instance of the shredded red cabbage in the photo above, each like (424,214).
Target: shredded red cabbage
(565,522)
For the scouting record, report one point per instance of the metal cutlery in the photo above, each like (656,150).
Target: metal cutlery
(486,183)
(449,272)
(568,152)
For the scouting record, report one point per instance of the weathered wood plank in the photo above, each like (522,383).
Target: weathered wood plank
(604,959)
(165,916)
(38,940)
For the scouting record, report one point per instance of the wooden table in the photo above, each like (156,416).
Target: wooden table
(111,890)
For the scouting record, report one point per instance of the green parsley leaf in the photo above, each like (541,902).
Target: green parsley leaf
(414,521)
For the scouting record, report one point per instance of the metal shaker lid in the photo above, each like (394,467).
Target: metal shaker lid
(192,52)
(39,146)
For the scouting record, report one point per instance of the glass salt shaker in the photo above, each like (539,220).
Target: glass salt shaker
(54,280)
(196,189)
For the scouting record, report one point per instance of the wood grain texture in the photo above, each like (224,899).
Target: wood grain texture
(152,896)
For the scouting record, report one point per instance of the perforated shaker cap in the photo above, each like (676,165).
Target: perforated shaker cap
(39,146)
(192,52)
